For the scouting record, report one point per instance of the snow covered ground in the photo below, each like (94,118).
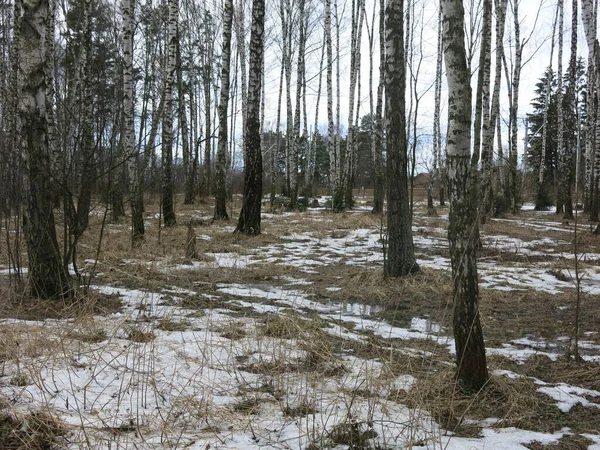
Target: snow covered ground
(163,373)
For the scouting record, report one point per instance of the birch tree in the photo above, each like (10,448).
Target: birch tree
(377,122)
(589,20)
(470,349)
(566,171)
(137,199)
(249,221)
(168,211)
(487,154)
(437,136)
(400,259)
(48,277)
(221,163)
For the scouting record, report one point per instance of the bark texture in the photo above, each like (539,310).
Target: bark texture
(249,221)
(470,350)
(221,163)
(400,259)
(48,277)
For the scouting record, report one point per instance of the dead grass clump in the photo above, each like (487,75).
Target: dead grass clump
(36,431)
(300,410)
(248,406)
(135,334)
(356,435)
(514,401)
(234,331)
(91,336)
(168,324)
(320,356)
(18,304)
(568,442)
(290,326)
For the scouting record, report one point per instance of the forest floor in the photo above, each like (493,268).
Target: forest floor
(293,339)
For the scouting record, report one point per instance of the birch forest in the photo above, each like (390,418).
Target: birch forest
(299,224)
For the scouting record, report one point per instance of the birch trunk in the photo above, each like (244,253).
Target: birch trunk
(487,192)
(513,197)
(561,206)
(137,202)
(167,131)
(437,137)
(206,83)
(379,182)
(482,110)
(249,221)
(470,350)
(188,158)
(221,163)
(299,87)
(588,18)
(330,130)
(400,259)
(567,170)
(47,276)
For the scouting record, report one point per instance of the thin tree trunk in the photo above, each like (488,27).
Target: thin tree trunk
(487,158)
(437,138)
(249,221)
(470,350)
(400,259)
(168,209)
(567,170)
(221,163)
(379,181)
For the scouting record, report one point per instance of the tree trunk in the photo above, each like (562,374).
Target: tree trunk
(434,175)
(487,193)
(249,221)
(377,149)
(330,131)
(482,128)
(588,18)
(470,349)
(299,85)
(400,259)
(137,199)
(47,275)
(513,186)
(221,163)
(168,209)
(567,170)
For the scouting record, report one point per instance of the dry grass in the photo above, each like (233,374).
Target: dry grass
(34,431)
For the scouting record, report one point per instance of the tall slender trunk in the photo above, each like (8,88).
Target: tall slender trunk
(168,209)
(513,186)
(207,182)
(249,221)
(221,163)
(567,170)
(487,158)
(470,350)
(482,112)
(437,138)
(379,181)
(560,197)
(333,174)
(137,199)
(400,259)
(588,18)
(188,157)
(299,89)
